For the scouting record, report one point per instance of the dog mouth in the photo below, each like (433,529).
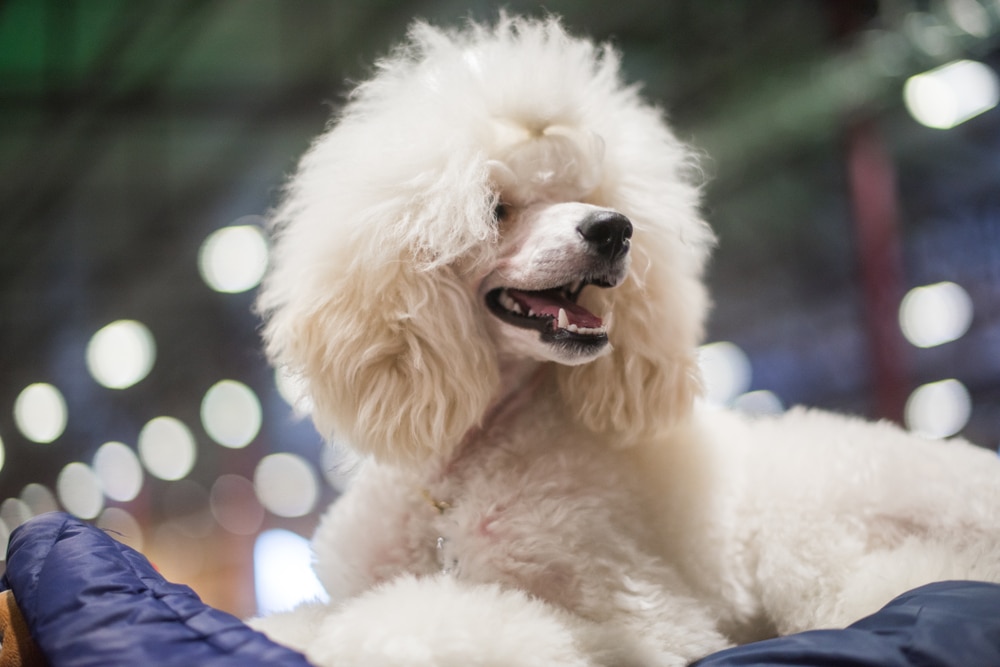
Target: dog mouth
(554,312)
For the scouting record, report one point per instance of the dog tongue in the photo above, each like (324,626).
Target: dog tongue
(548,302)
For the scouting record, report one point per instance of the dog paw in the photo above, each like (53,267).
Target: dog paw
(439,622)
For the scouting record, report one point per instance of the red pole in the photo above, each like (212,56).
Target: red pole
(872,183)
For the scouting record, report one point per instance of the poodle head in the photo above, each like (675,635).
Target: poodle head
(490,195)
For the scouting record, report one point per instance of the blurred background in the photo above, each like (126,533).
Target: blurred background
(853,159)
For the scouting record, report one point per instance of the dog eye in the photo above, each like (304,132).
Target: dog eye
(501,211)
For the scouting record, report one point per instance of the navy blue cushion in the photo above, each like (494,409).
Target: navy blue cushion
(946,624)
(91,601)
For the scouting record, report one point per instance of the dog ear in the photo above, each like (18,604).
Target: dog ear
(393,358)
(649,380)
(363,300)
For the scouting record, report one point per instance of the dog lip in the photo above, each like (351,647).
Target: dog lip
(584,344)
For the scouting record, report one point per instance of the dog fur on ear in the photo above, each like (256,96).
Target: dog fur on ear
(364,301)
(393,361)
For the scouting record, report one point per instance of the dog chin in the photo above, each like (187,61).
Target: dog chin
(562,347)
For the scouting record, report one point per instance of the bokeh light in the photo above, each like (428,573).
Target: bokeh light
(3,454)
(40,413)
(121,354)
(79,490)
(231,413)
(119,470)
(927,33)
(725,371)
(938,409)
(234,259)
(283,573)
(286,484)
(122,526)
(951,94)
(167,448)
(970,16)
(235,505)
(14,512)
(4,540)
(935,314)
(38,499)
(760,402)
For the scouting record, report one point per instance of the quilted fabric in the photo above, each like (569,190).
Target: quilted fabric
(946,624)
(91,601)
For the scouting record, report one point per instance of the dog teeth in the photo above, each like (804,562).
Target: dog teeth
(507,302)
(562,322)
(586,330)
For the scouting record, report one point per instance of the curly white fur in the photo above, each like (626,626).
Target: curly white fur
(583,510)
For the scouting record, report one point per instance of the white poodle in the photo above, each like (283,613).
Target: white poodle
(488,274)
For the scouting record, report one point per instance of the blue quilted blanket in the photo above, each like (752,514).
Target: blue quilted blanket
(89,600)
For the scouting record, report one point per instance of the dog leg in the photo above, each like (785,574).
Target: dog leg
(883,575)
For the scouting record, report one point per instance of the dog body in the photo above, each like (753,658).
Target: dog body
(727,530)
(488,273)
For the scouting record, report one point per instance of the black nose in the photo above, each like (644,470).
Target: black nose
(607,233)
